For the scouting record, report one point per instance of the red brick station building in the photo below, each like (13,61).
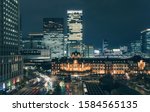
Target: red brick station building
(132,65)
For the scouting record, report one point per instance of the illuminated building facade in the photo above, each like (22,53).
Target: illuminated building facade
(75,31)
(10,62)
(102,66)
(74,23)
(75,65)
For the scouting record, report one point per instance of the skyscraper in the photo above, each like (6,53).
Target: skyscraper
(10,61)
(53,29)
(105,46)
(55,43)
(145,37)
(75,26)
(75,31)
(52,25)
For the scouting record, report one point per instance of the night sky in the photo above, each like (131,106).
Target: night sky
(119,21)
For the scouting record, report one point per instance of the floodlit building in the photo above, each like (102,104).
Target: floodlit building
(103,66)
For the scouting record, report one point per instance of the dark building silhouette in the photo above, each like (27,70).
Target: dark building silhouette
(105,46)
(10,61)
(53,25)
(145,36)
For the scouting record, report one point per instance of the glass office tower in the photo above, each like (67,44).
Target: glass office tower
(75,31)
(10,60)
(145,36)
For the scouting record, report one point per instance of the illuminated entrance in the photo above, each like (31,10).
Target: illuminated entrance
(75,67)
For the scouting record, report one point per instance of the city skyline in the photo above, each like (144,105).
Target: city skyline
(62,58)
(117,21)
